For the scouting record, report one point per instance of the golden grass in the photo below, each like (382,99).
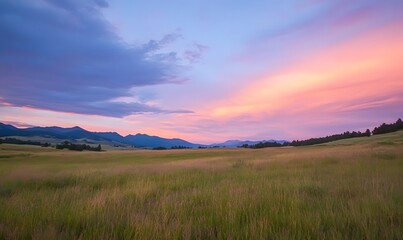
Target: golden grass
(335,191)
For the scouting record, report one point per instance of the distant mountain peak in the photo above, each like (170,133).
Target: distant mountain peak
(141,134)
(137,140)
(238,143)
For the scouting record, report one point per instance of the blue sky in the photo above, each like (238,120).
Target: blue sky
(202,70)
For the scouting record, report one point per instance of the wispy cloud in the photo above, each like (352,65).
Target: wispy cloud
(196,53)
(354,80)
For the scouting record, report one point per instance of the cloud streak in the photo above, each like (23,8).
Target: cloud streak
(355,80)
(196,53)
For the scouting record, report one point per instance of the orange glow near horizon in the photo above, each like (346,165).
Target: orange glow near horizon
(327,87)
(350,74)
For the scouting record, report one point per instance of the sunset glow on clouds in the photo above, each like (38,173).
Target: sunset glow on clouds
(364,70)
(297,69)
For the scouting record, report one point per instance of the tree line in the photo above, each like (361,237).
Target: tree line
(387,128)
(331,138)
(263,145)
(173,147)
(22,142)
(78,147)
(383,128)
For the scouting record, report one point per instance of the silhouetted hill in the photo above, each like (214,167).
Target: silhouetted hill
(7,130)
(137,140)
(114,136)
(76,133)
(144,140)
(53,132)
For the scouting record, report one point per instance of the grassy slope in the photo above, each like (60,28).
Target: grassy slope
(340,190)
(385,139)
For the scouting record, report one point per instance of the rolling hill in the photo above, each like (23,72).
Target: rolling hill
(77,133)
(57,134)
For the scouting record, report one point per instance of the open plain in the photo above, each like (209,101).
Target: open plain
(349,189)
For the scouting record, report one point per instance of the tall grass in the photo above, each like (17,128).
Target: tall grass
(322,192)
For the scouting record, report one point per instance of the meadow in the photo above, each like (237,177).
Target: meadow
(349,189)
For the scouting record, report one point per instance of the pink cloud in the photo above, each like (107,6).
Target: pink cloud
(364,73)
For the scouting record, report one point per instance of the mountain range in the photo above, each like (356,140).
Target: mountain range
(59,134)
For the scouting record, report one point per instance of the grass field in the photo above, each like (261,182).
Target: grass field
(351,189)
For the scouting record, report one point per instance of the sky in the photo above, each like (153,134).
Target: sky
(205,71)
